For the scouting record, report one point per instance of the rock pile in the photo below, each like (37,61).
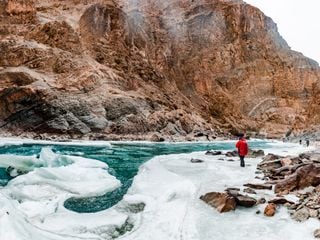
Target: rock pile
(299,176)
(228,200)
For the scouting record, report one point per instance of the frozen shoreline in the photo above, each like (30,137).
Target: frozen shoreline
(169,186)
(175,199)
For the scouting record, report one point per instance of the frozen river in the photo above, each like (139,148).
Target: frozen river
(130,190)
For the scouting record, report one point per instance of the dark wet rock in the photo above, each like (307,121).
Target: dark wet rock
(258,186)
(223,202)
(258,212)
(232,154)
(194,160)
(233,191)
(199,134)
(245,200)
(231,160)
(157,138)
(242,200)
(280,201)
(305,156)
(213,153)
(250,190)
(261,201)
(270,210)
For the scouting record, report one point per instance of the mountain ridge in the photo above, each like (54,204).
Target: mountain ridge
(104,69)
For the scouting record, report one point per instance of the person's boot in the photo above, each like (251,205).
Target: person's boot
(242,164)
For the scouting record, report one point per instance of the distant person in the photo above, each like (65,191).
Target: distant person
(307,142)
(242,147)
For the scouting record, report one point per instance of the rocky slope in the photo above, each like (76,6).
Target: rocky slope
(106,68)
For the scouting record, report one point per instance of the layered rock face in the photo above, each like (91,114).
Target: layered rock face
(176,67)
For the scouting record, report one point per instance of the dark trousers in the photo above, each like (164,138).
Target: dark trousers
(241,161)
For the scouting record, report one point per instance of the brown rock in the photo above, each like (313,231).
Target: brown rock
(223,202)
(270,210)
(20,7)
(304,177)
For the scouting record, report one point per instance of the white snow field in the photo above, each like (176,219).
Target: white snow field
(169,187)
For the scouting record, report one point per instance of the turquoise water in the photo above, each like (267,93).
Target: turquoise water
(123,159)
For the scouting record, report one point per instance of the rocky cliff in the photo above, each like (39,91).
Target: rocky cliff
(82,68)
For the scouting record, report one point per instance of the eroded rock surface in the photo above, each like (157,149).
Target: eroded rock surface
(176,68)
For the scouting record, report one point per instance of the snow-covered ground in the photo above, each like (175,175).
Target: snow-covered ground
(31,205)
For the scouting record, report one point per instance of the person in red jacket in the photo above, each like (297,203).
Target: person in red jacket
(242,147)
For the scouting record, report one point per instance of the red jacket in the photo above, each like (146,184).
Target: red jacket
(242,146)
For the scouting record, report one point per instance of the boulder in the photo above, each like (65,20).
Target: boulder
(213,153)
(305,176)
(313,213)
(94,122)
(157,138)
(301,215)
(194,160)
(316,233)
(258,186)
(233,191)
(270,165)
(245,200)
(255,153)
(223,202)
(270,210)
(304,156)
(232,154)
(262,201)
